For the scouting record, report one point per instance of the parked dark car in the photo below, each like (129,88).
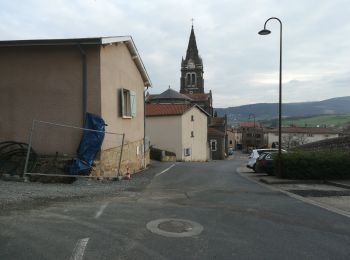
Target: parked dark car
(230,151)
(265,163)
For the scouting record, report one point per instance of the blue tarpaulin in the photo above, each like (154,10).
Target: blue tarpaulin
(89,146)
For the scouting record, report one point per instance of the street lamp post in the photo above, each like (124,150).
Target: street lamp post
(265,32)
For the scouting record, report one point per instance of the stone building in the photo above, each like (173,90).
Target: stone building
(192,81)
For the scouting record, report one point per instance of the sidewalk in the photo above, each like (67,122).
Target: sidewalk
(332,195)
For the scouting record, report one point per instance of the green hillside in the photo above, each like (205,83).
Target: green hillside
(324,120)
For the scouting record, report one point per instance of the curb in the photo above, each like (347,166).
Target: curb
(295,196)
(290,182)
(333,183)
(336,184)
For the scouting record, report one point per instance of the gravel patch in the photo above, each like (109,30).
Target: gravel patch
(27,195)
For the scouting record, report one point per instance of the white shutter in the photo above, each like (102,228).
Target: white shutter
(133,103)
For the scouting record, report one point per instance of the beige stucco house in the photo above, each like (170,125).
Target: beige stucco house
(178,128)
(58,80)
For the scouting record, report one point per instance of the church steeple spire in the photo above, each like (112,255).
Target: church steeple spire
(192,50)
(192,68)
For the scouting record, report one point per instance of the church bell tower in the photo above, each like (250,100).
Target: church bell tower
(191,80)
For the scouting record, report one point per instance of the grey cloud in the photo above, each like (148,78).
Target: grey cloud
(316,40)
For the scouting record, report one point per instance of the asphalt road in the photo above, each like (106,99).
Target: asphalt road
(240,220)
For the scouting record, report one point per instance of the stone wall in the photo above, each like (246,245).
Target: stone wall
(132,160)
(334,144)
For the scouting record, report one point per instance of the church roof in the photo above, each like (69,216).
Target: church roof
(198,96)
(171,94)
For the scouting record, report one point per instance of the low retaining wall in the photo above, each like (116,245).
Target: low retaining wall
(333,144)
(132,160)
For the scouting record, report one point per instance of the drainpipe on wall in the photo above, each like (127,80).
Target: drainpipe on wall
(144,127)
(84,80)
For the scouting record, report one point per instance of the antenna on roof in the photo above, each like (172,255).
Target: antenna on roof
(192,21)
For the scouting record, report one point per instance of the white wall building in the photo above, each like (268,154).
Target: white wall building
(178,128)
(294,136)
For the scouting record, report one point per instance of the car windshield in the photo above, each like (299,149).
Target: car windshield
(261,156)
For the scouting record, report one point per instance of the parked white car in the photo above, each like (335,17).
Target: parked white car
(256,153)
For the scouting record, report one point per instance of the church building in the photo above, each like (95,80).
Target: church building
(192,85)
(192,92)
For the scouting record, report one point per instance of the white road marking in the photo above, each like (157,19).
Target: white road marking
(79,249)
(167,169)
(100,211)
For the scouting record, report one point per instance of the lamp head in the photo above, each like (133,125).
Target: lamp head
(264,32)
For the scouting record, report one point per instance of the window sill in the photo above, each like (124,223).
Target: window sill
(127,117)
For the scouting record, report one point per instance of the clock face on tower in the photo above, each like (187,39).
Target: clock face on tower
(190,64)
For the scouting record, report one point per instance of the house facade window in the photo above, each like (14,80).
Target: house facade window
(213,145)
(187,151)
(192,134)
(192,118)
(128,103)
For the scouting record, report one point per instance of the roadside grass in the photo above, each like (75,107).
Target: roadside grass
(321,121)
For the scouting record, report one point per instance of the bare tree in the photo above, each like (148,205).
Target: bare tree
(301,139)
(287,140)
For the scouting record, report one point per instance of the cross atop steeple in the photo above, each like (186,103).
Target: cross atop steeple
(192,21)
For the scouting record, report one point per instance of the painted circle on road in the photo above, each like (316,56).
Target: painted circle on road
(173,227)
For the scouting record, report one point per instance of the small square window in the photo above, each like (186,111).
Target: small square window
(213,145)
(187,151)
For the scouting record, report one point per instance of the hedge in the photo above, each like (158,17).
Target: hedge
(315,165)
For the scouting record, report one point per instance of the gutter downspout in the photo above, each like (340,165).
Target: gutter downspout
(84,80)
(144,127)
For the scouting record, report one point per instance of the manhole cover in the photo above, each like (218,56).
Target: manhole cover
(171,227)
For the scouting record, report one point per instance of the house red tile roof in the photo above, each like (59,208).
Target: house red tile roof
(166,109)
(250,124)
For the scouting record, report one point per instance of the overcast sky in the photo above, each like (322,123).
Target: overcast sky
(240,66)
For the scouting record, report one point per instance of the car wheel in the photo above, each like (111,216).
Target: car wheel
(254,168)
